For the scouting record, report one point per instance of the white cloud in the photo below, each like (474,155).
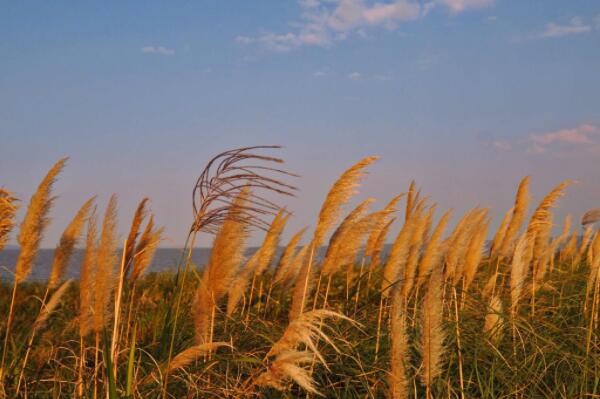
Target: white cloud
(575,26)
(323,22)
(354,76)
(581,135)
(501,145)
(158,50)
(319,74)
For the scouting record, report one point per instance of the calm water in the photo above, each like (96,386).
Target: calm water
(165,259)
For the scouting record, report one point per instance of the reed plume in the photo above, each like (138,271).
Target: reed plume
(493,319)
(518,272)
(416,243)
(295,265)
(339,194)
(134,231)
(474,252)
(500,234)
(432,331)
(288,366)
(399,350)
(224,262)
(191,354)
(410,200)
(258,262)
(145,249)
(379,245)
(517,218)
(382,222)
(585,240)
(68,241)
(457,244)
(50,306)
(106,259)
(35,222)
(287,256)
(570,247)
(540,223)
(433,252)
(87,277)
(8,209)
(396,261)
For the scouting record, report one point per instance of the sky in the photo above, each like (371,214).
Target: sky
(464,96)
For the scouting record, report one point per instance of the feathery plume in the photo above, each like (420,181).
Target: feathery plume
(475,252)
(8,209)
(134,231)
(457,244)
(591,216)
(518,216)
(415,244)
(49,307)
(338,195)
(399,351)
(296,265)
(433,252)
(379,245)
(35,222)
(585,240)
(518,272)
(372,241)
(192,353)
(106,259)
(570,247)
(285,261)
(500,233)
(410,201)
(540,224)
(68,241)
(225,259)
(289,366)
(145,249)
(493,319)
(87,276)
(432,331)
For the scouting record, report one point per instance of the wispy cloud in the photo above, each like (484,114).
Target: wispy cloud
(157,50)
(323,22)
(584,134)
(354,76)
(576,26)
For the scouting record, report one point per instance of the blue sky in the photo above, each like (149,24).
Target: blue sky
(465,96)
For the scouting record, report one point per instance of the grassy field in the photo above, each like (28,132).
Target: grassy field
(441,314)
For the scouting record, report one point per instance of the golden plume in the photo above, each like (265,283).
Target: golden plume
(379,245)
(8,209)
(518,272)
(134,231)
(258,262)
(433,252)
(517,218)
(493,319)
(87,274)
(410,200)
(432,331)
(225,258)
(35,222)
(474,251)
(106,259)
(50,306)
(500,233)
(145,249)
(585,240)
(287,256)
(415,246)
(68,241)
(540,223)
(372,241)
(399,350)
(338,195)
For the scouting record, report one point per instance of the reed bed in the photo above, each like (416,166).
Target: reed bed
(439,313)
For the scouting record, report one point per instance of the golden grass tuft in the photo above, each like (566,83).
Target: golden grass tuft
(145,249)
(106,259)
(68,241)
(432,330)
(517,218)
(35,222)
(8,209)
(134,231)
(87,278)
